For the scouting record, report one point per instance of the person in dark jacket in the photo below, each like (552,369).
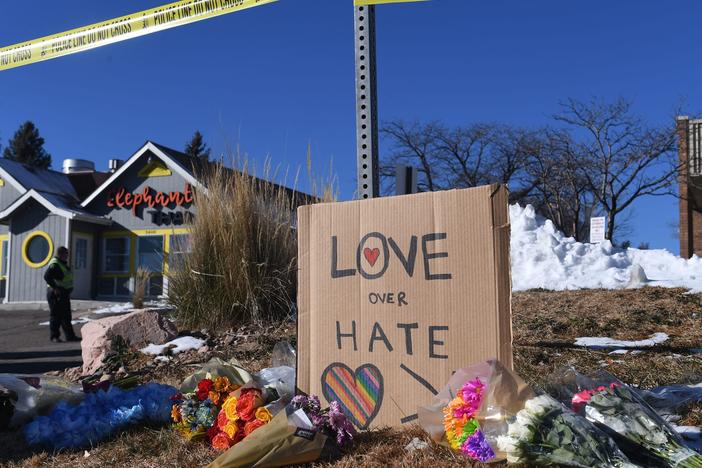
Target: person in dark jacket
(59,278)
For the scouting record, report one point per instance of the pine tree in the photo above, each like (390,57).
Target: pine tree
(27,147)
(197,148)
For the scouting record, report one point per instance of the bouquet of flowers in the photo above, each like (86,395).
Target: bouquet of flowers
(301,433)
(544,432)
(461,424)
(240,416)
(488,413)
(99,415)
(193,414)
(330,421)
(621,412)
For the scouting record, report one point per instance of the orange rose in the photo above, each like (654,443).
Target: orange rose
(222,420)
(249,401)
(221,441)
(263,414)
(252,426)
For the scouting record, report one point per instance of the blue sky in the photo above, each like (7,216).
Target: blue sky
(275,78)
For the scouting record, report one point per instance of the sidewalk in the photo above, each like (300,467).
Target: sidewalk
(24,337)
(76,305)
(25,347)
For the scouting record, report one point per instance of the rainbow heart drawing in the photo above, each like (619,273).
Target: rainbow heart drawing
(359,392)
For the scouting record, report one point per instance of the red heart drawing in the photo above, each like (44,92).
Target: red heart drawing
(371,255)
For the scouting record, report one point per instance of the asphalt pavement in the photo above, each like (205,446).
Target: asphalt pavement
(25,347)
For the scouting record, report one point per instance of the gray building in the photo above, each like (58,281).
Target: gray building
(112,222)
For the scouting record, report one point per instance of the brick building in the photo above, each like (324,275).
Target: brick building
(690,153)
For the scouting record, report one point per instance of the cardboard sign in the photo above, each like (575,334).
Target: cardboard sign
(396,293)
(597,230)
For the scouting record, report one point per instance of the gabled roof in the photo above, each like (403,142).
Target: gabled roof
(24,177)
(59,204)
(175,160)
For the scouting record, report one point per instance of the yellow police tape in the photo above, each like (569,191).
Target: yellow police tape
(119,29)
(378,2)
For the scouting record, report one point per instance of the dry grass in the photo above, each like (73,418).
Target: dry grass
(242,265)
(141,283)
(545,324)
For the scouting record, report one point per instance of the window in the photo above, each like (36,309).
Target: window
(81,254)
(37,249)
(179,247)
(113,287)
(116,255)
(150,253)
(4,259)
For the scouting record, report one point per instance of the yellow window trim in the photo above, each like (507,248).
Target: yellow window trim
(155,169)
(2,183)
(25,243)
(133,235)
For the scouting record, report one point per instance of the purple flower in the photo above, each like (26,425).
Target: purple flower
(478,448)
(310,404)
(340,424)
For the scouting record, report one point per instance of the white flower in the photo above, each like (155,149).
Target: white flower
(507,444)
(539,405)
(524,418)
(520,432)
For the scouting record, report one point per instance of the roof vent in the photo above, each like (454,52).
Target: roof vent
(114,164)
(74,166)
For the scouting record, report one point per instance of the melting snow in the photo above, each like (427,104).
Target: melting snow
(125,307)
(184,343)
(77,321)
(542,257)
(604,343)
(116,309)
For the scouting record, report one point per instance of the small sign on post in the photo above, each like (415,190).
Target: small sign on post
(597,230)
(405,180)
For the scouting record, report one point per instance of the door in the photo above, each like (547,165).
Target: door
(150,256)
(82,264)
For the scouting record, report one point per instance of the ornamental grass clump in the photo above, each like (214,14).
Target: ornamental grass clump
(241,267)
(141,285)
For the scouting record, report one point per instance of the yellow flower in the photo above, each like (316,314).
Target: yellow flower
(230,429)
(229,408)
(262,414)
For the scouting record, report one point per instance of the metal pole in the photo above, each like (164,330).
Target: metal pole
(366,103)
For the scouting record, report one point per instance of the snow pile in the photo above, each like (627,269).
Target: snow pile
(116,309)
(542,257)
(78,321)
(126,307)
(608,343)
(184,343)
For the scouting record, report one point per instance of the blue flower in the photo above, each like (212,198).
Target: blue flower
(99,415)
